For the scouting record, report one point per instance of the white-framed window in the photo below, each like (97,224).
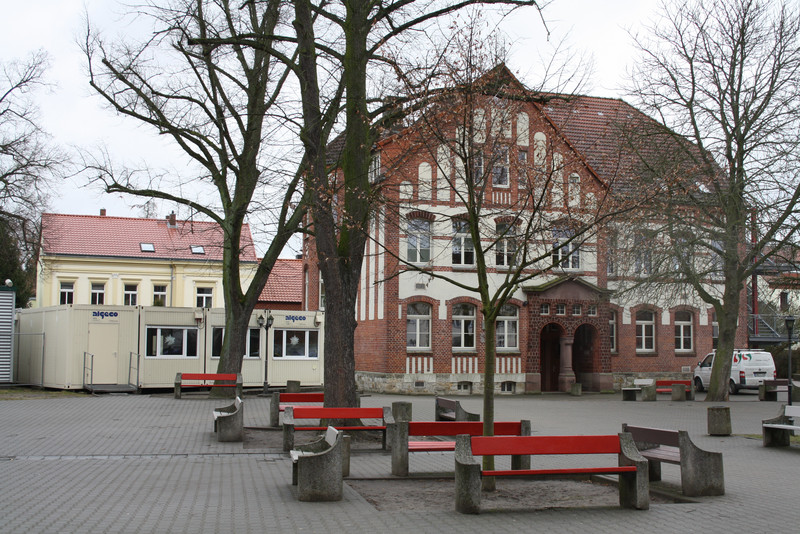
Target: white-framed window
(591,311)
(574,190)
(576,309)
(566,253)
(159,295)
(683,331)
(418,326)
(66,293)
(463,326)
(147,247)
(321,292)
(544,308)
(477,167)
(506,247)
(252,343)
(171,342)
(645,331)
(642,255)
(612,330)
(375,167)
(500,167)
(205,297)
(197,249)
(130,294)
(507,328)
(561,309)
(419,241)
(295,344)
(463,249)
(98,293)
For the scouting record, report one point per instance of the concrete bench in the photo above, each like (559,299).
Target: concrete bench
(317,468)
(292,414)
(701,471)
(451,410)
(229,421)
(680,389)
(279,401)
(779,430)
(768,390)
(401,431)
(208,380)
(645,386)
(629,465)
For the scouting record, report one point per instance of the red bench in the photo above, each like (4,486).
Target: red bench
(665,386)
(629,465)
(292,414)
(402,430)
(208,380)
(276,405)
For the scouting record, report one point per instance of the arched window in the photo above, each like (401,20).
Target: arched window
(507,328)
(418,326)
(683,331)
(463,249)
(566,250)
(645,331)
(463,326)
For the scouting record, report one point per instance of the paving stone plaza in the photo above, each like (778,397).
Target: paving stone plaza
(151,463)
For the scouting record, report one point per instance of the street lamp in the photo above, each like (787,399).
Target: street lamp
(789,327)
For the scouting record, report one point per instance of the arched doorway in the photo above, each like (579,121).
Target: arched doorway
(584,350)
(550,351)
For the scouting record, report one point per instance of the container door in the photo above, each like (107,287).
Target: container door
(103,342)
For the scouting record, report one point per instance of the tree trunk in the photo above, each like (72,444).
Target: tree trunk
(488,483)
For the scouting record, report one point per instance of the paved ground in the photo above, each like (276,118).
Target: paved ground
(150,463)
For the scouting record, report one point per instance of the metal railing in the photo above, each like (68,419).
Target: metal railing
(767,326)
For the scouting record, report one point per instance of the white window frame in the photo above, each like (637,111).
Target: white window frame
(500,164)
(506,246)
(642,255)
(216,351)
(321,297)
(612,330)
(544,308)
(577,309)
(684,330)
(130,297)
(280,334)
(98,295)
(645,332)
(463,327)
(561,308)
(160,339)
(204,299)
(507,329)
(418,249)
(418,327)
(161,294)
(566,256)
(66,293)
(463,248)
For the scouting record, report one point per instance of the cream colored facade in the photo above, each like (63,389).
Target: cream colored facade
(179,279)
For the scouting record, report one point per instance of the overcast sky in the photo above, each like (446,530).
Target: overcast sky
(74,116)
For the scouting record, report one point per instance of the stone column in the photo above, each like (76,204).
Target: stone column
(566,376)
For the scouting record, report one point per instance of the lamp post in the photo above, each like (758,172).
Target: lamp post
(789,327)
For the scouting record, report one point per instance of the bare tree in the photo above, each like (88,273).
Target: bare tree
(222,105)
(724,77)
(28,163)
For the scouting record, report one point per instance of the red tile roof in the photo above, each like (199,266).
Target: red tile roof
(122,237)
(285,282)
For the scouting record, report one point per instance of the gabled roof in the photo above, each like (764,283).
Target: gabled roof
(123,237)
(285,282)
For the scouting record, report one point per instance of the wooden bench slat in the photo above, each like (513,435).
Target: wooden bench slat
(662,454)
(561,471)
(341,427)
(208,376)
(454,428)
(301,397)
(319,412)
(556,445)
(431,446)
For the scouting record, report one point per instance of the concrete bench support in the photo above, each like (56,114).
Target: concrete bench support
(229,421)
(451,410)
(777,432)
(317,468)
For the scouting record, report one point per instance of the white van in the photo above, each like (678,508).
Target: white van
(748,370)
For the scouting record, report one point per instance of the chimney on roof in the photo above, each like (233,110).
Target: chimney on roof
(171,222)
(102,212)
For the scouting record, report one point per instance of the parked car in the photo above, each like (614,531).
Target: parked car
(748,370)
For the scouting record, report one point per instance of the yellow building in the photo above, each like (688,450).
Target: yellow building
(121,261)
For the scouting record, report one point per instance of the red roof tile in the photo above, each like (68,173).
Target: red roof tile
(122,237)
(285,283)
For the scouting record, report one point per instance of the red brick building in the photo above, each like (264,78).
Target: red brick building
(420,333)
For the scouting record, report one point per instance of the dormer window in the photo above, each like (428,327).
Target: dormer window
(198,249)
(147,247)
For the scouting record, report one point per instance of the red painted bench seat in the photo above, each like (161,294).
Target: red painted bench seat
(280,401)
(293,414)
(208,380)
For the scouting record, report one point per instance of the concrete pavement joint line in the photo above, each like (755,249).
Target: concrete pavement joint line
(265,456)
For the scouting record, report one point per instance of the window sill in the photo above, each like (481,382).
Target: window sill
(463,267)
(646,353)
(419,351)
(464,351)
